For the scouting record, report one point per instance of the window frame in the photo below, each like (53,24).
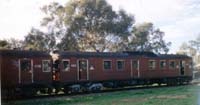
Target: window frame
(123,66)
(30,68)
(152,67)
(63,69)
(164,65)
(138,64)
(43,65)
(110,65)
(170,67)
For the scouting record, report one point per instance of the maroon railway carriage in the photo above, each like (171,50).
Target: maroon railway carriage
(23,70)
(30,71)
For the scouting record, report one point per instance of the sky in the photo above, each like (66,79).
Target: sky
(179,19)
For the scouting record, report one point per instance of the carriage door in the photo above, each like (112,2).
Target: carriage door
(83,69)
(182,67)
(25,71)
(56,71)
(135,68)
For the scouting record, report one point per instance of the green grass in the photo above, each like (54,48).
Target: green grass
(182,95)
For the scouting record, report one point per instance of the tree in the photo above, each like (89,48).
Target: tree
(183,49)
(186,49)
(92,25)
(195,43)
(192,48)
(147,38)
(4,44)
(88,25)
(16,44)
(38,40)
(11,44)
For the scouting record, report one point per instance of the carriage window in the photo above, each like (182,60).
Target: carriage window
(25,65)
(152,64)
(66,65)
(162,64)
(46,66)
(83,64)
(135,64)
(172,65)
(107,65)
(120,65)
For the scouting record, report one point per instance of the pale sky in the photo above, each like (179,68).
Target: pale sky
(179,19)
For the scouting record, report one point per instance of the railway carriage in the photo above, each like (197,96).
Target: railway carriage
(27,72)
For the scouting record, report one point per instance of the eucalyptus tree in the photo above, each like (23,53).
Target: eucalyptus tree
(92,25)
(38,40)
(88,25)
(145,37)
(4,44)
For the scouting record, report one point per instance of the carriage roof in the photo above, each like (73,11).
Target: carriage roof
(125,54)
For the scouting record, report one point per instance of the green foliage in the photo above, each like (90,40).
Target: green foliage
(4,44)
(11,44)
(38,40)
(89,25)
(146,38)
(92,25)
(16,44)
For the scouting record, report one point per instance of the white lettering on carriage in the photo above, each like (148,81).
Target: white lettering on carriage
(37,66)
(73,65)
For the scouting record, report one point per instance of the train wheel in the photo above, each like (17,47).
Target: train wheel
(169,83)
(74,88)
(97,87)
(179,82)
(187,82)
(159,83)
(28,92)
(49,90)
(43,90)
(57,90)
(66,90)
(175,82)
(115,85)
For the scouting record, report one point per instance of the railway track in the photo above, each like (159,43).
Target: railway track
(62,94)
